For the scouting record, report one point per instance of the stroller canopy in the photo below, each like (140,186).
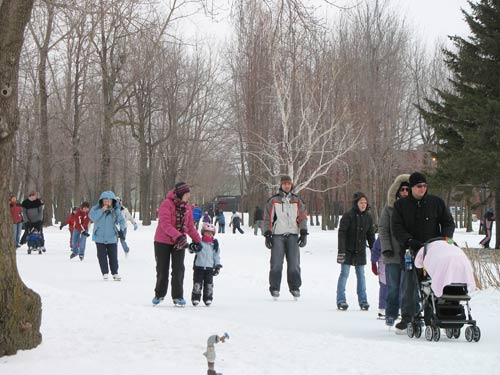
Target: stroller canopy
(446,264)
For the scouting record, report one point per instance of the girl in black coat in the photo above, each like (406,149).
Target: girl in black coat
(356,228)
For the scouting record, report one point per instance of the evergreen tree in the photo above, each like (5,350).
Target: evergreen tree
(466,119)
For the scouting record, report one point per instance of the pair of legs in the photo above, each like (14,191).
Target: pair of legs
(258,224)
(394,277)
(285,246)
(18,227)
(410,300)
(485,242)
(237,228)
(163,254)
(361,284)
(78,242)
(107,252)
(222,228)
(203,282)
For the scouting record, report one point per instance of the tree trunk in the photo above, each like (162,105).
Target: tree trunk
(20,307)
(44,121)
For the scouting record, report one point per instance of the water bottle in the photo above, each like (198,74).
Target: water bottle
(408,260)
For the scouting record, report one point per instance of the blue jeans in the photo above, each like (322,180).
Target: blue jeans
(78,241)
(394,278)
(361,285)
(17,232)
(123,242)
(285,246)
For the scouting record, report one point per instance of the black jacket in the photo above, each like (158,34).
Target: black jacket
(354,230)
(421,220)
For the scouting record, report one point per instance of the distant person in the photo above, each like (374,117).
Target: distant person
(70,221)
(80,231)
(221,221)
(107,216)
(235,222)
(258,220)
(285,223)
(206,218)
(128,217)
(16,212)
(197,214)
(488,219)
(32,216)
(355,231)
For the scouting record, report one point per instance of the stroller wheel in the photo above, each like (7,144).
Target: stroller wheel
(418,330)
(410,330)
(456,333)
(449,332)
(436,333)
(469,334)
(477,333)
(428,333)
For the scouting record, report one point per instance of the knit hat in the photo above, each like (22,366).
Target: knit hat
(417,178)
(285,179)
(181,188)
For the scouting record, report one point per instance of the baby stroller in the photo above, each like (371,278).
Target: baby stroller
(444,284)
(35,241)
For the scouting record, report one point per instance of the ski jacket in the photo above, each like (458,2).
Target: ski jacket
(70,221)
(355,229)
(422,220)
(285,213)
(208,257)
(220,219)
(16,211)
(388,241)
(128,216)
(32,211)
(81,221)
(166,232)
(105,222)
(197,213)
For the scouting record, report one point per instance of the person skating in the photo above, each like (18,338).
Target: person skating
(355,230)
(285,223)
(175,222)
(70,222)
(206,265)
(400,188)
(415,220)
(235,222)
(32,216)
(489,218)
(128,217)
(80,231)
(16,212)
(106,216)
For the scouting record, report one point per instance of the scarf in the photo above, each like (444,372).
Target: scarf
(180,212)
(207,239)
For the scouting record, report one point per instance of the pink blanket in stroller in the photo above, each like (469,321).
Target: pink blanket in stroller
(446,264)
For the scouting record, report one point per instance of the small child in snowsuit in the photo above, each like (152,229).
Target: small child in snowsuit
(35,241)
(206,265)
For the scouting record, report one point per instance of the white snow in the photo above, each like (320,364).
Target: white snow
(91,326)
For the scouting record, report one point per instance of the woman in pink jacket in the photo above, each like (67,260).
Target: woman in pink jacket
(175,220)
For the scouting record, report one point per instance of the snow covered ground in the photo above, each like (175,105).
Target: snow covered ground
(90,326)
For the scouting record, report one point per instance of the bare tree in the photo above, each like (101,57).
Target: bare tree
(20,307)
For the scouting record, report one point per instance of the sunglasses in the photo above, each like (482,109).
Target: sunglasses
(420,186)
(404,189)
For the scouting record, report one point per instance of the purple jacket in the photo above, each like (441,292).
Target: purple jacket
(166,231)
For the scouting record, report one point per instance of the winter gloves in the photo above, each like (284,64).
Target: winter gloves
(340,258)
(136,226)
(303,238)
(62,226)
(85,233)
(181,242)
(374,269)
(216,269)
(195,247)
(269,239)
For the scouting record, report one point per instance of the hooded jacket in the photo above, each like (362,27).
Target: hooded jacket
(105,222)
(166,232)
(355,229)
(388,241)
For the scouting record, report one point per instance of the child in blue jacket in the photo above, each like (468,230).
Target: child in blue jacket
(206,265)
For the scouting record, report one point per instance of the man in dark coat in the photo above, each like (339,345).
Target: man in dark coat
(355,229)
(32,216)
(258,220)
(415,220)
